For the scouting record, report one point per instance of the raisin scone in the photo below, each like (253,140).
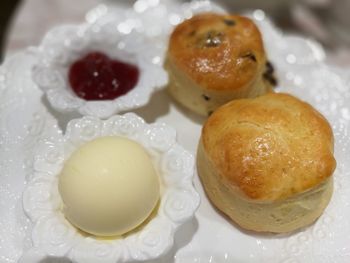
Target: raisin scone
(213,59)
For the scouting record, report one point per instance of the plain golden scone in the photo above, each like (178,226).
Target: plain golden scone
(267,162)
(213,59)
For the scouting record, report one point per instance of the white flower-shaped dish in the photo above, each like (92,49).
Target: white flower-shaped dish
(63,45)
(53,235)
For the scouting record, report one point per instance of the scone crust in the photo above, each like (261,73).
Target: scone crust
(270,147)
(218,52)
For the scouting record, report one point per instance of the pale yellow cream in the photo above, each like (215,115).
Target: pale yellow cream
(109,186)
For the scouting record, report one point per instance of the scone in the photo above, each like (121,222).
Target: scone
(213,59)
(267,162)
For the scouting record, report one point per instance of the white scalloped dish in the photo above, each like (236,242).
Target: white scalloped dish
(25,121)
(53,235)
(64,45)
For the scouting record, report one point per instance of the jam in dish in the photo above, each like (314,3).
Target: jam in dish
(97,77)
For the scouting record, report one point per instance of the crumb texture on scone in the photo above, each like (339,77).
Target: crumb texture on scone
(218,52)
(269,148)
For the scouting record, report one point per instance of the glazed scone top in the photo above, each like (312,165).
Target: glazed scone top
(218,52)
(269,148)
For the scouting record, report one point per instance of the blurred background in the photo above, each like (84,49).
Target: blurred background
(24,22)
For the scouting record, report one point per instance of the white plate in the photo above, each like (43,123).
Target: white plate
(24,119)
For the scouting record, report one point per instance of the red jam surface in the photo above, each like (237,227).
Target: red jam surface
(97,77)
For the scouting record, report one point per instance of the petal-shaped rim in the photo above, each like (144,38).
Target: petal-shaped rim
(63,45)
(178,204)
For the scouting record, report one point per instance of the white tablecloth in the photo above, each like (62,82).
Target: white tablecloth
(34,17)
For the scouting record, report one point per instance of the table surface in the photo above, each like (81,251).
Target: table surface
(35,17)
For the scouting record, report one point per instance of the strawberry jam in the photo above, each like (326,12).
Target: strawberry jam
(97,77)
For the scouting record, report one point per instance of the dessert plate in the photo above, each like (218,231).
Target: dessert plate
(26,118)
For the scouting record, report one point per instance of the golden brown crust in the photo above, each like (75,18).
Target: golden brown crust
(279,216)
(269,148)
(218,52)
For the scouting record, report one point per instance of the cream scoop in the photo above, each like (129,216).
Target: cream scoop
(109,186)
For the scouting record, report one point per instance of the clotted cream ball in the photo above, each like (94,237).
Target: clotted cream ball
(109,186)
